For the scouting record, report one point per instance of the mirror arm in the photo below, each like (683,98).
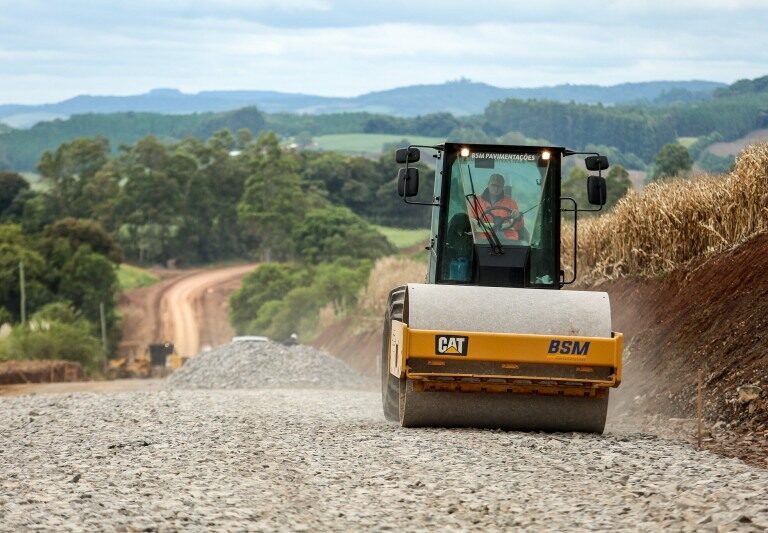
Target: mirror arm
(575,212)
(433,204)
(566,153)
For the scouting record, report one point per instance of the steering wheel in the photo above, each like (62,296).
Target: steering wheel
(499,221)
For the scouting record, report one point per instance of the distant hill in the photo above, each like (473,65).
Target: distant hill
(462,97)
(741,87)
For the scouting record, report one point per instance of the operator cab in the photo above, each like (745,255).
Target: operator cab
(496,212)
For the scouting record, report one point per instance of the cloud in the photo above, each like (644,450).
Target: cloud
(346,48)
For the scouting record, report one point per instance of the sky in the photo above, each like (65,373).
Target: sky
(52,50)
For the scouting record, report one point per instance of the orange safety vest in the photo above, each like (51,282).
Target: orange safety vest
(482,205)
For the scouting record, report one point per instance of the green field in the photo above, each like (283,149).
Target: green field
(687,141)
(404,238)
(36,181)
(367,143)
(132,277)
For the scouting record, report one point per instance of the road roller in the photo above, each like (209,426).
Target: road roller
(489,340)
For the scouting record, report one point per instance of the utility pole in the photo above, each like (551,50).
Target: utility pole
(23,294)
(103,327)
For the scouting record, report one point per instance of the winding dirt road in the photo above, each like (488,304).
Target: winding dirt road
(187,307)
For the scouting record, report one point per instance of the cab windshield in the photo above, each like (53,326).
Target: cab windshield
(500,199)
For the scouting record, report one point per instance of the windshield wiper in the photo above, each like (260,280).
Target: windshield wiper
(488,230)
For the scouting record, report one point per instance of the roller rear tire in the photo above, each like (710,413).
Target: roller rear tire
(390,385)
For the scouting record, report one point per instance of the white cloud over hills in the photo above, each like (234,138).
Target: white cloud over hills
(50,50)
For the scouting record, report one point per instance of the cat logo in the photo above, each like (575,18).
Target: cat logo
(451,344)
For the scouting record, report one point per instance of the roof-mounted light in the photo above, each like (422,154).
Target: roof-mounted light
(464,152)
(545,155)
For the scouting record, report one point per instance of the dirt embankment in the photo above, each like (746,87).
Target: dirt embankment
(39,371)
(712,315)
(359,348)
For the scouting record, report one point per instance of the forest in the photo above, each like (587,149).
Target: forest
(634,131)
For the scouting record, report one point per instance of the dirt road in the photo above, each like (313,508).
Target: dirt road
(188,308)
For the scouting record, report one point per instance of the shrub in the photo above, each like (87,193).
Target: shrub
(327,235)
(296,310)
(5,316)
(43,339)
(267,283)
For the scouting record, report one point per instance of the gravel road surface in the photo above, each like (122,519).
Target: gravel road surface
(307,459)
(267,365)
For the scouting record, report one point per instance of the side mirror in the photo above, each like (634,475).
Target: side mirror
(596,163)
(596,190)
(408,182)
(407,155)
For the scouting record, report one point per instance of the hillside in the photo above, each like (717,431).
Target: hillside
(461,97)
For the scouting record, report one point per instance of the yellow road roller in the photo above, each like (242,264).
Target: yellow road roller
(489,340)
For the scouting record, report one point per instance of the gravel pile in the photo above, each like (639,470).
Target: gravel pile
(326,460)
(258,365)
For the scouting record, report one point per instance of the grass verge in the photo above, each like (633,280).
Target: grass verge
(366,143)
(404,238)
(132,277)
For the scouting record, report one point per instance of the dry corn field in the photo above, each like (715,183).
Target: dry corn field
(671,222)
(388,273)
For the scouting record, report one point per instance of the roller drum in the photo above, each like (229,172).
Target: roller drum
(505,310)
(509,411)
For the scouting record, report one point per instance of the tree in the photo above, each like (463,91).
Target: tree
(83,231)
(275,199)
(148,206)
(11,185)
(267,283)
(244,138)
(327,235)
(672,160)
(15,249)
(575,186)
(87,280)
(100,195)
(617,184)
(295,310)
(70,169)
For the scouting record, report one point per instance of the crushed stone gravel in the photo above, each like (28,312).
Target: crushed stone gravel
(303,459)
(266,364)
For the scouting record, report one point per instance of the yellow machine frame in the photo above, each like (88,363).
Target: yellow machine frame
(502,362)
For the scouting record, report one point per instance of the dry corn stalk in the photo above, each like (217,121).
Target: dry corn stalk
(671,222)
(388,273)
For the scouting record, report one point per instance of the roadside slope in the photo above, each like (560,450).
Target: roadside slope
(712,315)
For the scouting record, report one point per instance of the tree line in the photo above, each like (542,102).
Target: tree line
(636,131)
(201,201)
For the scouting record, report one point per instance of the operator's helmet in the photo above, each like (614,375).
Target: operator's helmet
(496,179)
